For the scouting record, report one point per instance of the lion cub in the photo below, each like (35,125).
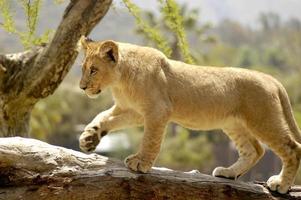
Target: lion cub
(151,90)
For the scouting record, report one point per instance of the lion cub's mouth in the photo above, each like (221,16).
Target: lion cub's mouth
(93,95)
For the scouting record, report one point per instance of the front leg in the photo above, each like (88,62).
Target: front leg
(109,120)
(154,127)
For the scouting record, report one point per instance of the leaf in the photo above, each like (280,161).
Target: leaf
(174,21)
(8,22)
(152,33)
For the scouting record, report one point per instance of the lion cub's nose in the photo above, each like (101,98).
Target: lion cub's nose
(83,87)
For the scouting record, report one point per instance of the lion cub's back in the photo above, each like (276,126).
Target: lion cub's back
(215,93)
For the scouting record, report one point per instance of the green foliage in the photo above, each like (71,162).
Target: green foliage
(31,9)
(43,125)
(269,21)
(28,38)
(292,84)
(174,21)
(276,45)
(8,22)
(274,57)
(191,22)
(247,57)
(297,115)
(221,55)
(151,32)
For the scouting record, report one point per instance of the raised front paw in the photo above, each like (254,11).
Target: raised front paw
(88,141)
(137,163)
(277,184)
(90,138)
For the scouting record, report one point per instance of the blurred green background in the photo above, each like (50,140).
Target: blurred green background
(268,40)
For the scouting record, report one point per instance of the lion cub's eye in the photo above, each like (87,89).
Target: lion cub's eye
(93,70)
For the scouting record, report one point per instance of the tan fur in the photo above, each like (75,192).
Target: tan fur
(152,90)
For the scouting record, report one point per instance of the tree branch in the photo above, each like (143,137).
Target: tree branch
(54,62)
(14,68)
(31,169)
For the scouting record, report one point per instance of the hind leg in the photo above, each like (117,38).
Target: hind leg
(286,149)
(278,137)
(249,149)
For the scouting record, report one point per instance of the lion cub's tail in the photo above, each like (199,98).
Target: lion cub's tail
(288,113)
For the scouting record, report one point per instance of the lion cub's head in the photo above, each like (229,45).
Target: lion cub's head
(99,69)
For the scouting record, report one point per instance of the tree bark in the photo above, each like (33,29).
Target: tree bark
(15,105)
(31,169)
(27,77)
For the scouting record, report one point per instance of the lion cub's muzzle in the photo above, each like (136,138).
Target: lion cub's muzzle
(92,94)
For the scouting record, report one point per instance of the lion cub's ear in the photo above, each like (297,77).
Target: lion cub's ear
(109,51)
(84,42)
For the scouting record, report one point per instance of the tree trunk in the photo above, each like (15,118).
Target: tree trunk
(34,170)
(27,77)
(15,107)
(16,124)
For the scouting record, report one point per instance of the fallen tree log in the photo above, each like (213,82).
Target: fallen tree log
(31,169)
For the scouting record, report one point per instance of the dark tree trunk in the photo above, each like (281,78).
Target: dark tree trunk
(27,77)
